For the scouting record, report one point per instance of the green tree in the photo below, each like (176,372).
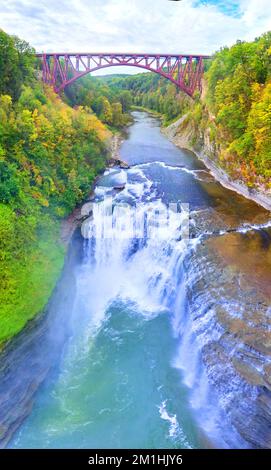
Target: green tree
(16,64)
(117,115)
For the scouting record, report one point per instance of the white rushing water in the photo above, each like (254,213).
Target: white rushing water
(145,266)
(136,239)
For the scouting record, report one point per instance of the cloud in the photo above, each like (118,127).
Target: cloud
(188,26)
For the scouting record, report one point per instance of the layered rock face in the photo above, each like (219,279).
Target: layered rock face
(184,135)
(229,296)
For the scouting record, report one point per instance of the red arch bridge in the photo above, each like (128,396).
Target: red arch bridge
(62,69)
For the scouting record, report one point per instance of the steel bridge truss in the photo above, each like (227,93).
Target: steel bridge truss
(62,69)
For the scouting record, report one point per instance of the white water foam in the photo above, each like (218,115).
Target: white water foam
(248,227)
(175,431)
(195,173)
(172,419)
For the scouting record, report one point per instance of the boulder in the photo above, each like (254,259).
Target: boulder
(119,187)
(121,164)
(124,165)
(86,209)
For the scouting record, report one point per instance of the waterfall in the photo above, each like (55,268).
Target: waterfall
(135,244)
(133,255)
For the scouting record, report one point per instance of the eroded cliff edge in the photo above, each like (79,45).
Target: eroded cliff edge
(184,134)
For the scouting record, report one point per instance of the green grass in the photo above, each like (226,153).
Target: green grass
(32,286)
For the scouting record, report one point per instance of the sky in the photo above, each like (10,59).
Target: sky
(151,26)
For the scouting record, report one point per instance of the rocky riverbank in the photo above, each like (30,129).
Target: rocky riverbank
(114,152)
(183,138)
(73,221)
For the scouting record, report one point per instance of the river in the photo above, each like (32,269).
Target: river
(166,337)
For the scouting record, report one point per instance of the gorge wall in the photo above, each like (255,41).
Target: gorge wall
(185,135)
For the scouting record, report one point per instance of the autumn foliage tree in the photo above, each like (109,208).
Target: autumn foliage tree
(50,154)
(239,82)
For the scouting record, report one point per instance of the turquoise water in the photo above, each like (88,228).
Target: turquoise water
(116,389)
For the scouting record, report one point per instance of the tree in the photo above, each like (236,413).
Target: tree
(16,64)
(117,116)
(106,113)
(125,99)
(8,183)
(9,62)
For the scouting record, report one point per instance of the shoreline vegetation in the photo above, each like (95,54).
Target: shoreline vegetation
(182,141)
(50,154)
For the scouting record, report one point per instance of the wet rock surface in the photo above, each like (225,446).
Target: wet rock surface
(229,297)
